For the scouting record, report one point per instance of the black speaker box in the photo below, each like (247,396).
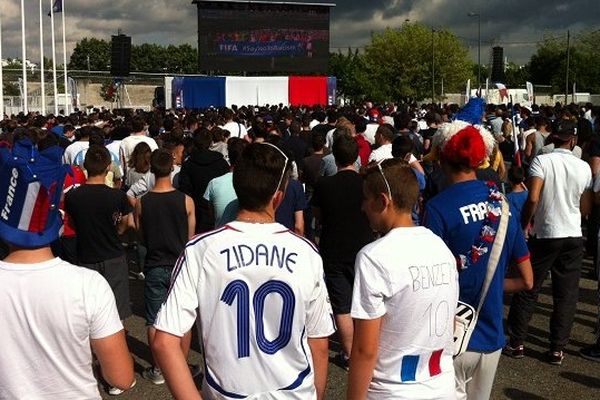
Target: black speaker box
(120,56)
(498,64)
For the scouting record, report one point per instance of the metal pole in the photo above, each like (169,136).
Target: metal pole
(24,58)
(66,83)
(568,66)
(432,66)
(42,78)
(54,58)
(479,54)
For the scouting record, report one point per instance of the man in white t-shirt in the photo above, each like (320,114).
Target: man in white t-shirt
(263,312)
(405,295)
(75,148)
(138,135)
(235,129)
(54,314)
(559,196)
(383,137)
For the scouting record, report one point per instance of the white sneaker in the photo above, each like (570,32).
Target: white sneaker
(154,375)
(114,391)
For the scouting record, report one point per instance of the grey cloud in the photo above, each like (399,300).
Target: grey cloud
(515,24)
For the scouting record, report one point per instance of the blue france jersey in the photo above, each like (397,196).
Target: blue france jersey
(260,296)
(456,215)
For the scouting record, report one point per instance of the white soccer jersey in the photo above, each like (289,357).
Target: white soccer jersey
(260,294)
(409,279)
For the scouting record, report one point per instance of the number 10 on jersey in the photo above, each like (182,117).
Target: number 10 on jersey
(239,290)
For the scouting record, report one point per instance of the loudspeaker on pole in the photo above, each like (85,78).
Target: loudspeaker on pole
(120,55)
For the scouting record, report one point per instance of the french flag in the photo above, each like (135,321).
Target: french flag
(422,365)
(30,208)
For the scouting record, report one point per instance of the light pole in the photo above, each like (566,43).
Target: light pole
(432,65)
(474,14)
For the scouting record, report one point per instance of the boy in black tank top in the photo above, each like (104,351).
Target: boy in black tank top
(166,220)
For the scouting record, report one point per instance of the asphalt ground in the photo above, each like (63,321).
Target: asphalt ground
(529,378)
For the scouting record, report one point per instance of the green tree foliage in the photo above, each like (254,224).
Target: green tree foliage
(144,58)
(398,63)
(516,75)
(98,51)
(351,73)
(548,65)
(11,89)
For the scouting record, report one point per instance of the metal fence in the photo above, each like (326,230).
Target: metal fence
(13,105)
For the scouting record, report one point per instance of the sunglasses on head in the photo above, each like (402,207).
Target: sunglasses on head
(284,164)
(387,184)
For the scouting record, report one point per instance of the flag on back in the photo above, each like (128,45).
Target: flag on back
(57,6)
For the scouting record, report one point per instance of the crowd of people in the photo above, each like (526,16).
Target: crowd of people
(398,229)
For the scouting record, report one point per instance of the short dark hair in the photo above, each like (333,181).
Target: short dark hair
(401,179)
(235,147)
(96,139)
(202,139)
(256,175)
(386,132)
(402,145)
(516,174)
(161,163)
(137,124)
(360,124)
(318,142)
(97,159)
(345,150)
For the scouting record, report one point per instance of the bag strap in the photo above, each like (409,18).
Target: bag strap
(496,252)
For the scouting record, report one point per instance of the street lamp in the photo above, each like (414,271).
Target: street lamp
(432,65)
(474,14)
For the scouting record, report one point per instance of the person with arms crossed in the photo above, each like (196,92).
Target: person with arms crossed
(405,294)
(54,314)
(263,313)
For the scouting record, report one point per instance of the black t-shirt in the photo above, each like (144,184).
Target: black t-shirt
(164,227)
(346,228)
(95,211)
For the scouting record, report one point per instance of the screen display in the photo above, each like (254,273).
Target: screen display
(258,37)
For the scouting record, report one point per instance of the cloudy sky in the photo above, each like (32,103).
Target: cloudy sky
(515,24)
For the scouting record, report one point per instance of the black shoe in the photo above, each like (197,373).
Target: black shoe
(514,352)
(342,361)
(555,357)
(591,353)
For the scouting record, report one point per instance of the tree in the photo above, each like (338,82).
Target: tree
(11,89)
(98,51)
(548,66)
(146,57)
(399,62)
(351,73)
(516,75)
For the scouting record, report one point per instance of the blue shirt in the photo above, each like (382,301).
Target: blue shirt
(517,201)
(455,217)
(294,200)
(220,193)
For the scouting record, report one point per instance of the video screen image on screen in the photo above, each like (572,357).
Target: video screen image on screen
(263,37)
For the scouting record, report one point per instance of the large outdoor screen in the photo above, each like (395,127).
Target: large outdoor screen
(262,37)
